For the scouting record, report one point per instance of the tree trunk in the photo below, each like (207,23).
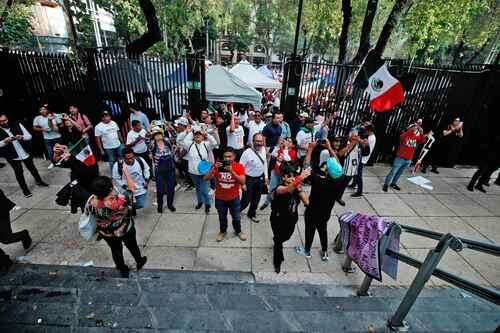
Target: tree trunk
(152,35)
(456,53)
(366,29)
(346,22)
(390,24)
(478,52)
(5,12)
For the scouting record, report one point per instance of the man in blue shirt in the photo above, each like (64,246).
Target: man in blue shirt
(272,131)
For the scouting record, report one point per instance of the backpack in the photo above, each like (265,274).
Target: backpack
(141,164)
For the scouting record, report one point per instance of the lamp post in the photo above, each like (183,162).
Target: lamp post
(291,75)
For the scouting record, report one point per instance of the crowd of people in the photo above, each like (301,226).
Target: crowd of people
(229,157)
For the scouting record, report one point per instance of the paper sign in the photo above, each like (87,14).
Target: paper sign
(422,182)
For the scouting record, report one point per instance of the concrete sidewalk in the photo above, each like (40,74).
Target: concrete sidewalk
(185,240)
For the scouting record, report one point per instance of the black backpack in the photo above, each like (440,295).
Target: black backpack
(141,164)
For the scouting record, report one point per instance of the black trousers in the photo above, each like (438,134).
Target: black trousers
(19,172)
(483,174)
(6,234)
(283,228)
(116,245)
(345,181)
(252,195)
(313,223)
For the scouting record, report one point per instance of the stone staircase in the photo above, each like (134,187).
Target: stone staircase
(38,298)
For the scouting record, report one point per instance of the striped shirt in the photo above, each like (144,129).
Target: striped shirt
(351,161)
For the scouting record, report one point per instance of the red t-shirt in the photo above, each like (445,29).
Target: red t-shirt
(227,187)
(408,142)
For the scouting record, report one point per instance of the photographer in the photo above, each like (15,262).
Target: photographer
(48,124)
(139,173)
(367,141)
(352,158)
(15,148)
(229,176)
(452,139)
(409,140)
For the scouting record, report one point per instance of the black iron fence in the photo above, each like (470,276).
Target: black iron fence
(438,94)
(93,81)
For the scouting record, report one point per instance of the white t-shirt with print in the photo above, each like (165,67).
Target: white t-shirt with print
(43,122)
(254,128)
(236,139)
(108,134)
(140,147)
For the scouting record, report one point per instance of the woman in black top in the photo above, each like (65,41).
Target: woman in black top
(284,205)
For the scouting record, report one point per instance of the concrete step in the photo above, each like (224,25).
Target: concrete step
(37,298)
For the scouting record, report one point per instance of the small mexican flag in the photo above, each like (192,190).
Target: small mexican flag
(82,152)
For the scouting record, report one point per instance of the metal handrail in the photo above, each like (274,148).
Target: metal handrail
(469,243)
(485,293)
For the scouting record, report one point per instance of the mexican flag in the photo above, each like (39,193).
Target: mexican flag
(384,89)
(82,152)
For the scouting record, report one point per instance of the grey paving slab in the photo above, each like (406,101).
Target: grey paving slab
(462,205)
(212,229)
(456,226)
(167,257)
(360,205)
(489,227)
(453,263)
(225,259)
(178,230)
(332,230)
(426,205)
(490,202)
(389,205)
(262,235)
(487,265)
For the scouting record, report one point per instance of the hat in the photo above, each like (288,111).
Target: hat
(197,129)
(156,130)
(268,115)
(309,120)
(105,113)
(304,115)
(181,121)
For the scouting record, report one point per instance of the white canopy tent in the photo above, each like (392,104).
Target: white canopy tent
(247,73)
(223,86)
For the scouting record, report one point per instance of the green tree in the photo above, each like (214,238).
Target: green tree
(15,26)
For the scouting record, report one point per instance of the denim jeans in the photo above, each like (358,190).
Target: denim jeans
(201,189)
(398,167)
(140,201)
(112,156)
(50,147)
(233,206)
(358,179)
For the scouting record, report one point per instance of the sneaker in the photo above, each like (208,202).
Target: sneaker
(301,251)
(198,206)
(51,166)
(142,262)
(470,188)
(356,195)
(324,256)
(207,209)
(160,210)
(242,236)
(172,209)
(42,183)
(177,187)
(396,187)
(385,187)
(27,194)
(435,171)
(264,206)
(220,236)
(341,202)
(27,241)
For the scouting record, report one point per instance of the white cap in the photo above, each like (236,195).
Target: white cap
(197,129)
(181,121)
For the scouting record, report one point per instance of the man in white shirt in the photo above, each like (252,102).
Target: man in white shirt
(235,135)
(181,127)
(47,124)
(199,145)
(304,137)
(254,126)
(14,147)
(368,143)
(138,170)
(108,139)
(136,139)
(255,162)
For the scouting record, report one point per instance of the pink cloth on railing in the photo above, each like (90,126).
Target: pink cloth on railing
(361,236)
